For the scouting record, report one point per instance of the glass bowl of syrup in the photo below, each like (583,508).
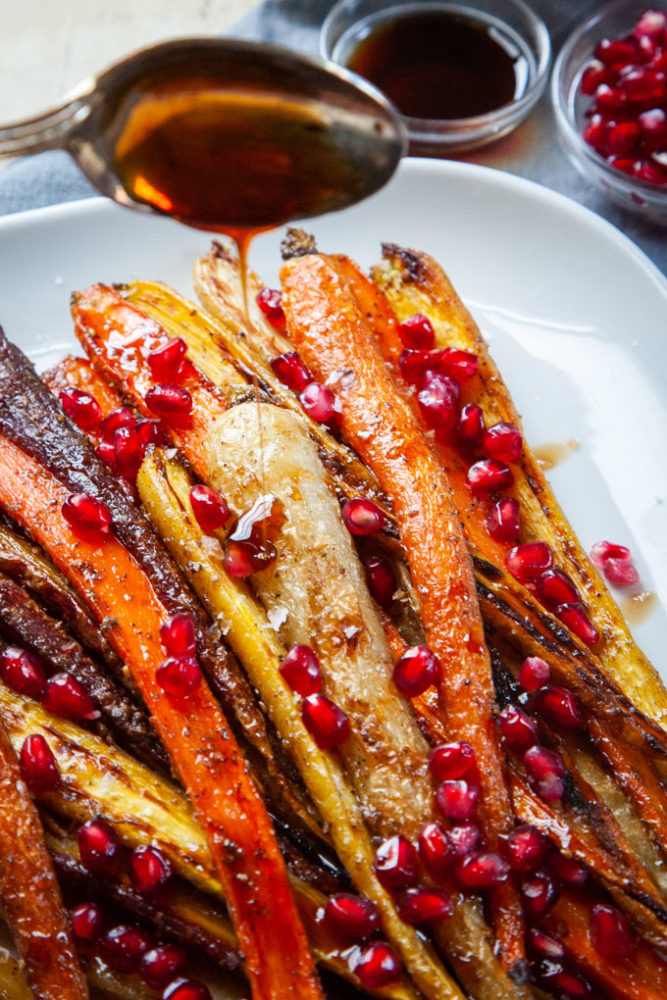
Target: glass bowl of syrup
(617,170)
(460,75)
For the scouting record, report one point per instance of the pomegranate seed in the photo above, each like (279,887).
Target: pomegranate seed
(162,964)
(652,23)
(238,561)
(642,83)
(435,850)
(170,402)
(653,127)
(413,364)
(649,170)
(610,934)
(459,365)
(470,427)
(123,947)
(570,985)
(438,401)
(98,847)
(178,676)
(615,53)
(624,163)
(122,417)
(622,137)
(503,441)
(106,451)
(166,362)
(301,670)
(291,371)
(87,922)
(129,452)
(270,301)
(593,75)
(81,408)
(602,551)
(489,476)
(560,706)
(380,580)
(481,871)
(424,906)
(575,618)
(554,587)
(209,508)
(186,989)
(464,838)
(396,863)
(518,729)
(66,697)
(457,799)
(568,871)
(150,870)
(362,517)
(319,402)
(546,769)
(595,132)
(39,768)
(534,673)
(87,517)
(621,573)
(526,848)
(450,761)
(326,722)
(22,671)
(609,99)
(178,635)
(648,48)
(416,670)
(539,894)
(378,965)
(417,332)
(503,521)
(528,562)
(350,918)
(544,945)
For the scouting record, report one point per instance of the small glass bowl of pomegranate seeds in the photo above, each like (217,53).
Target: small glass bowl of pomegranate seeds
(609,92)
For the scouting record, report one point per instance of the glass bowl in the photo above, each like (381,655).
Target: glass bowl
(612,21)
(522,32)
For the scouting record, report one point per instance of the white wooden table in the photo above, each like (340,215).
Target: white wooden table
(47,46)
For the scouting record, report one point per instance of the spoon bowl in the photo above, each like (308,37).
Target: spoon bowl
(223,134)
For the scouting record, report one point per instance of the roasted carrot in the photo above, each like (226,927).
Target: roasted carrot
(333,336)
(29,893)
(118,338)
(639,975)
(80,374)
(200,742)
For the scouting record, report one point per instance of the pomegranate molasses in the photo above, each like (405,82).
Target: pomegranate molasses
(224,161)
(440,64)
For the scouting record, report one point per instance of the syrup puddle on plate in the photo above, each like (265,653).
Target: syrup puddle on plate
(637,608)
(552,454)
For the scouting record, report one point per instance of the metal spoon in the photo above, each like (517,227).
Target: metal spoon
(364,134)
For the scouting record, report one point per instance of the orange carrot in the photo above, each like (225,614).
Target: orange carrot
(29,893)
(118,337)
(332,334)
(80,374)
(199,740)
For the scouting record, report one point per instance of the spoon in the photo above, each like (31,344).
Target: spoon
(222,134)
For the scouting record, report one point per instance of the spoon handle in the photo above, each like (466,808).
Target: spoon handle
(46,131)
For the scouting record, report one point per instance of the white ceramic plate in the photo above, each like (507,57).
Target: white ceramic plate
(575,314)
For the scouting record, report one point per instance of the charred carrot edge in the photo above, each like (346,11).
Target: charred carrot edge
(641,976)
(201,745)
(637,778)
(29,893)
(122,361)
(333,336)
(79,374)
